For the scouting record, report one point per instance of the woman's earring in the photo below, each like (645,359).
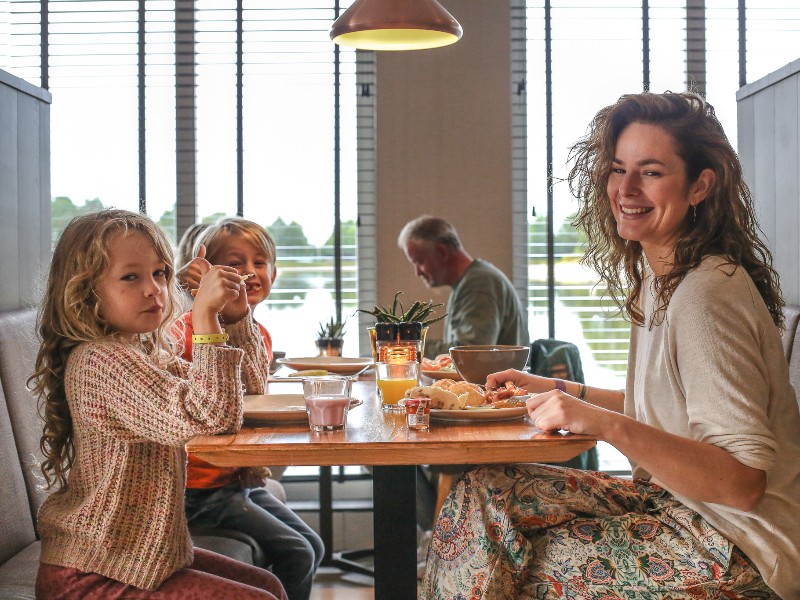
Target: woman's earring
(694,213)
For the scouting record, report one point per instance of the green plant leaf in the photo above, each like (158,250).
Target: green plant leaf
(417,312)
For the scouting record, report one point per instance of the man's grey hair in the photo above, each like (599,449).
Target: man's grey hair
(429,229)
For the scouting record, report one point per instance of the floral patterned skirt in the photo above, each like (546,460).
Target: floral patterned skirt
(535,531)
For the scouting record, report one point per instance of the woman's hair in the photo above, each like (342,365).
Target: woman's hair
(725,222)
(70,314)
(185,251)
(216,238)
(430,229)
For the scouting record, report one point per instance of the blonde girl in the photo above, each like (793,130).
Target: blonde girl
(118,408)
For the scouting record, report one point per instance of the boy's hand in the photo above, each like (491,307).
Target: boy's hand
(254,477)
(192,272)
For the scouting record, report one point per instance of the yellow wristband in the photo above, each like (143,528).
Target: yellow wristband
(209,338)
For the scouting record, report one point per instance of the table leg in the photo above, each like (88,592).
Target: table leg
(326,512)
(395,532)
(347,560)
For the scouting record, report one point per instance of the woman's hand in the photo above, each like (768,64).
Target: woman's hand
(554,410)
(190,274)
(532,383)
(689,467)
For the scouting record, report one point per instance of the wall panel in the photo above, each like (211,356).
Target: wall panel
(24,190)
(769,130)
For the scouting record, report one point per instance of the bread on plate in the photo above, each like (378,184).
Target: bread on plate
(450,395)
(472,391)
(440,397)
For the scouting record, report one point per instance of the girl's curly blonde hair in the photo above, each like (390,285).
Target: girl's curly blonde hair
(70,314)
(725,223)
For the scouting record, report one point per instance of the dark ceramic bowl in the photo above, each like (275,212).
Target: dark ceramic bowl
(476,363)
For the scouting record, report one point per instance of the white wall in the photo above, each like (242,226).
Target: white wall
(769,149)
(444,147)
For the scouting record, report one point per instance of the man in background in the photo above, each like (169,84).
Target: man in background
(483,307)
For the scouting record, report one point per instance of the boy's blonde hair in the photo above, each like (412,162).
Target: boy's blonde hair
(217,236)
(70,314)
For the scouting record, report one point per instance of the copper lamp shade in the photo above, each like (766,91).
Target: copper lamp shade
(395,25)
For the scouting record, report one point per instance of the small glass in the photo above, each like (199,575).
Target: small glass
(393,380)
(327,402)
(418,413)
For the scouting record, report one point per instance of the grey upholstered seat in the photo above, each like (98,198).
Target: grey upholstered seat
(19,552)
(791,315)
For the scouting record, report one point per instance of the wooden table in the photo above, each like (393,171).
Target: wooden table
(374,437)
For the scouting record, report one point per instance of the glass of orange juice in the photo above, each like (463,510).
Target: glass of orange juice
(393,380)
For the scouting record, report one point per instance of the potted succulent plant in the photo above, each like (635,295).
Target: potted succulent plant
(330,337)
(400,326)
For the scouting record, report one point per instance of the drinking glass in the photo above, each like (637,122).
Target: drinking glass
(327,402)
(393,380)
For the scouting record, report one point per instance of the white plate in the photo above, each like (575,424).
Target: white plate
(335,364)
(286,408)
(442,374)
(479,414)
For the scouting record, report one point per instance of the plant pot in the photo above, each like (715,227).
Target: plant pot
(330,346)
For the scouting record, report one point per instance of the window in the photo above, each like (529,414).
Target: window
(215,98)
(92,74)
(291,90)
(613,66)
(159,93)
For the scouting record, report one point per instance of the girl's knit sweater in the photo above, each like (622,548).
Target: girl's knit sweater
(121,513)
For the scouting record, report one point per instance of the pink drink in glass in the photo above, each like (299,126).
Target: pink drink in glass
(327,412)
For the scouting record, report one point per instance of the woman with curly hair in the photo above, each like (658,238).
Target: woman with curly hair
(119,405)
(708,418)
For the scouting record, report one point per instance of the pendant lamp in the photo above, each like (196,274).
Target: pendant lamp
(395,25)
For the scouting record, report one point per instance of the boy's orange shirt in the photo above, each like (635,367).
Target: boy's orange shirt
(199,473)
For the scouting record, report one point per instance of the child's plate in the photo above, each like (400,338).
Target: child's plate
(335,364)
(279,408)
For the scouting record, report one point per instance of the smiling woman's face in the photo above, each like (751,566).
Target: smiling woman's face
(650,196)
